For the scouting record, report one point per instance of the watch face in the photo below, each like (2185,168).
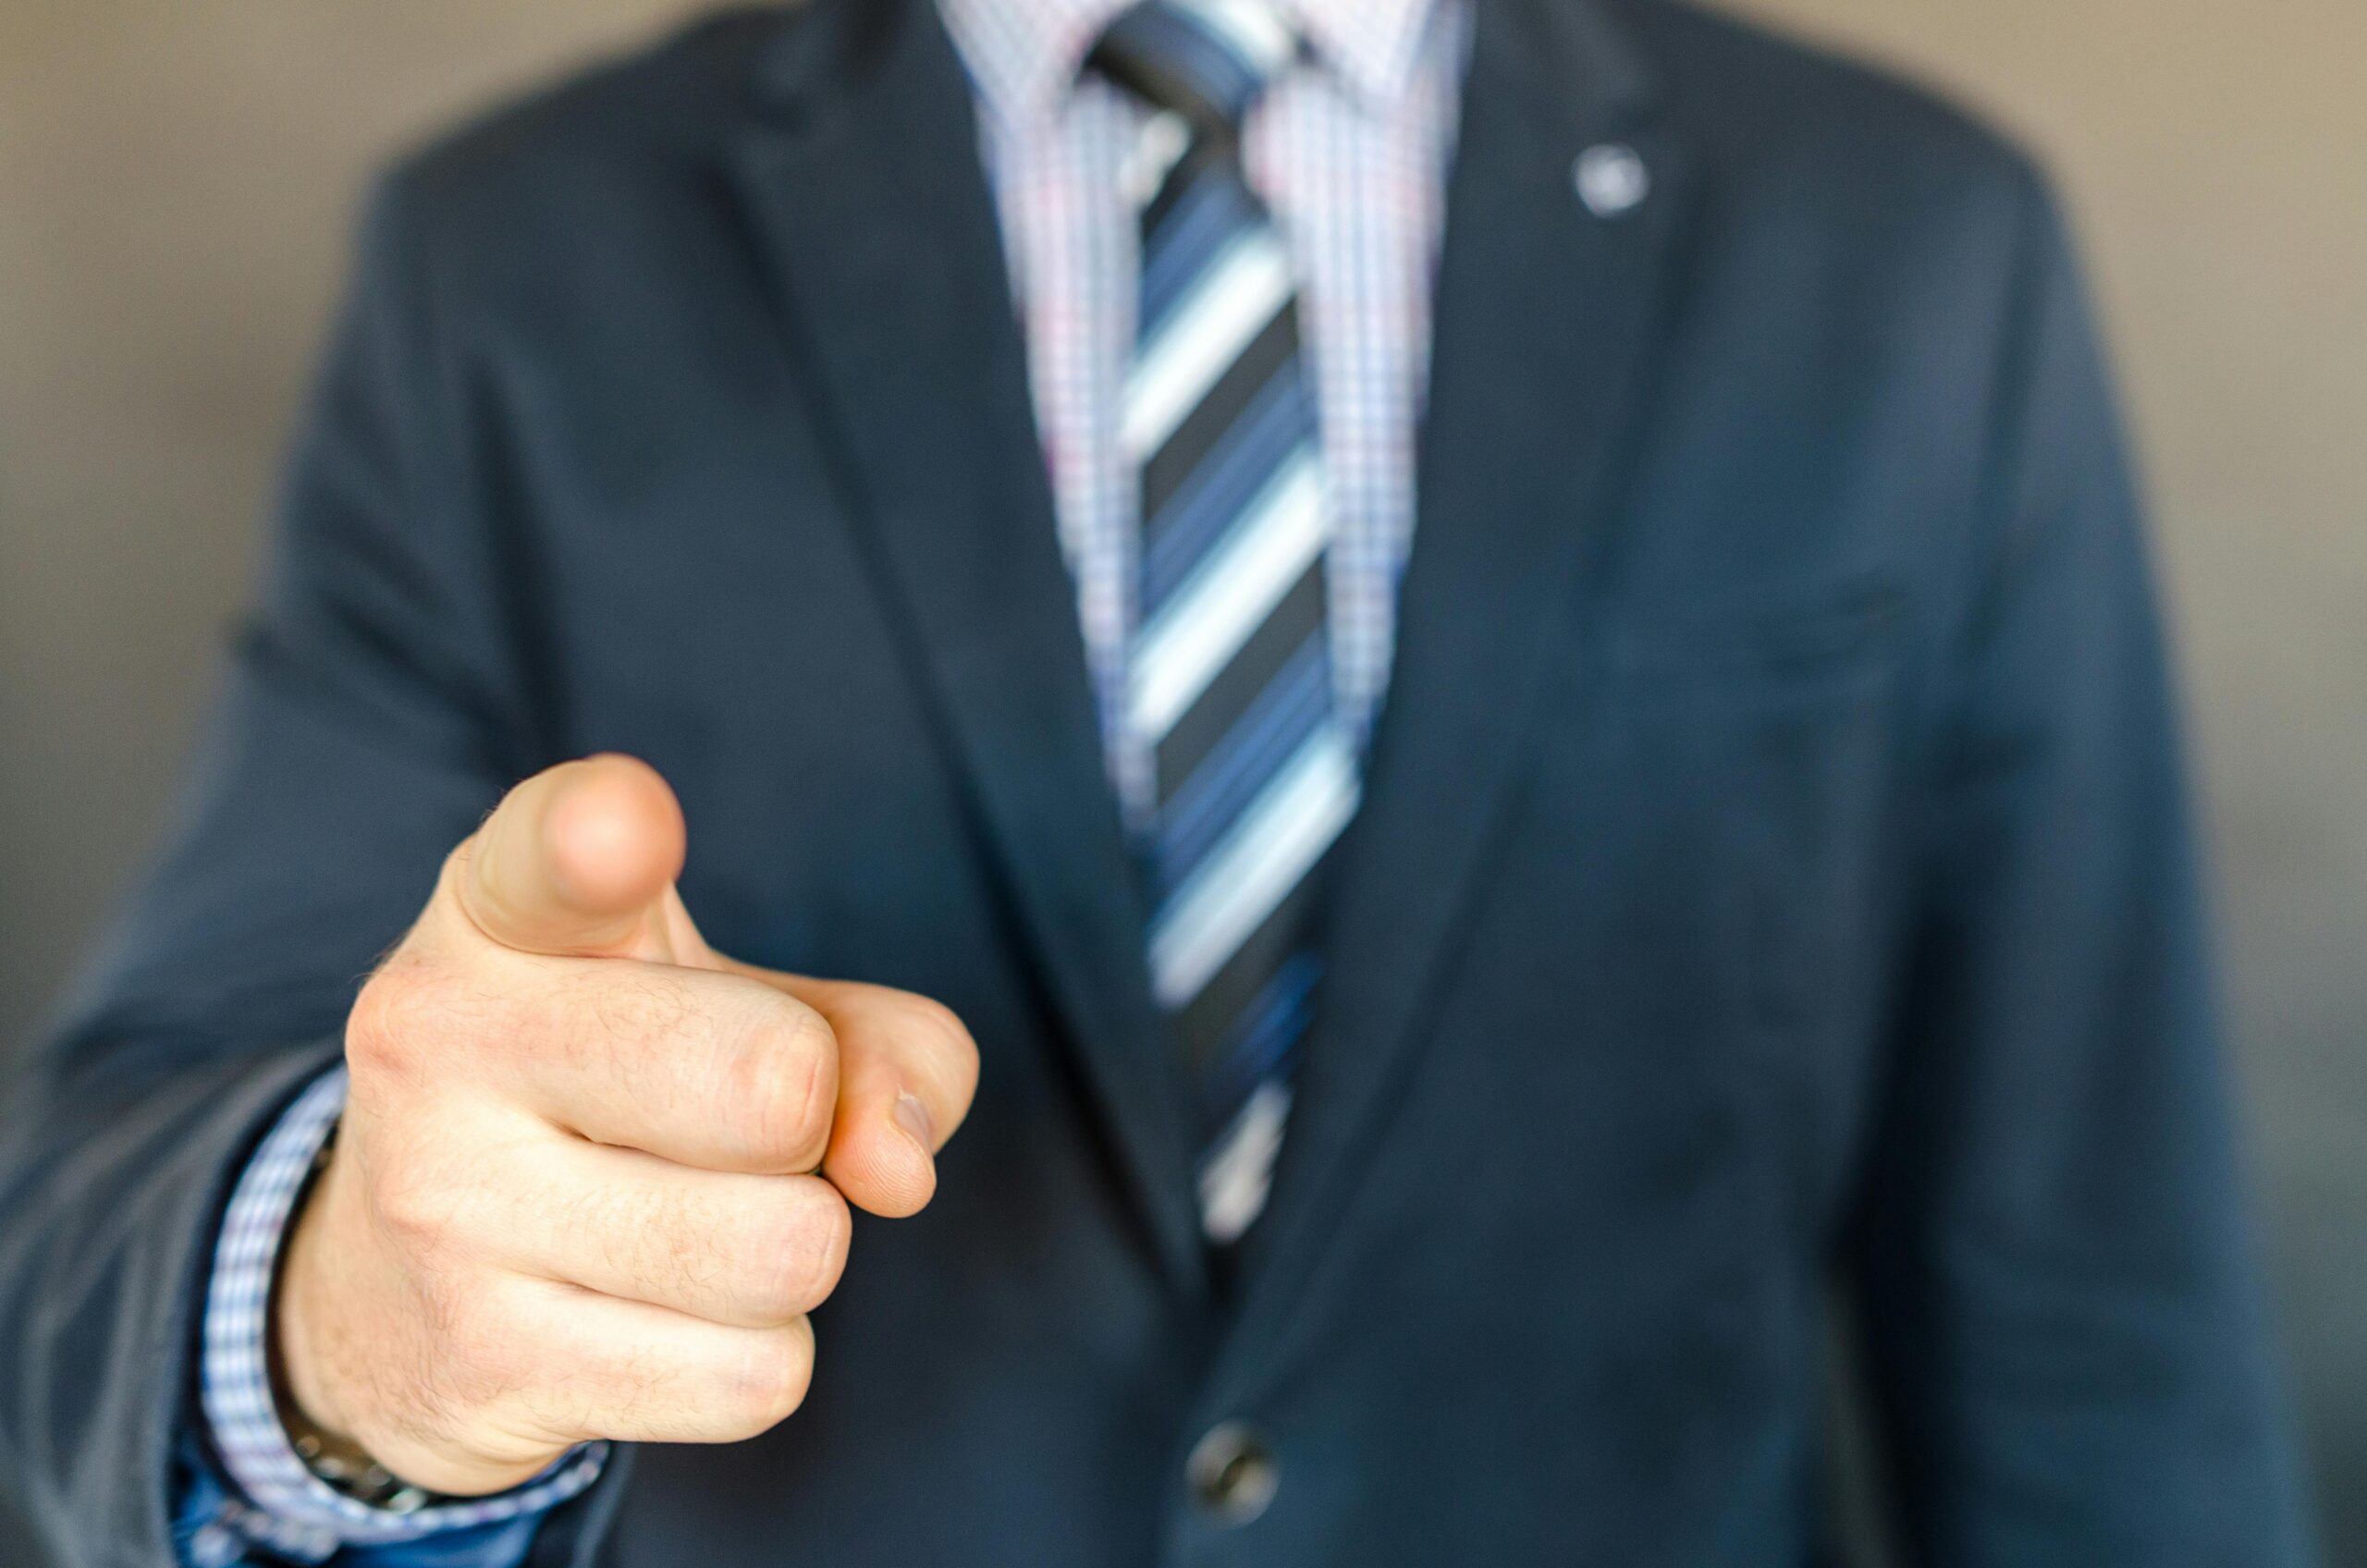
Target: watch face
(351,1473)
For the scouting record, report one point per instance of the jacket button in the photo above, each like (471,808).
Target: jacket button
(1232,1474)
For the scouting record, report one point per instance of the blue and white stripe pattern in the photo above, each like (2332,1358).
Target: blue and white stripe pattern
(277,1504)
(1229,688)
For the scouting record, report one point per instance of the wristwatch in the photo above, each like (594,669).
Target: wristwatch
(346,1469)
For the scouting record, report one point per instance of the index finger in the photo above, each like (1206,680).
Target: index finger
(908,1070)
(702,1067)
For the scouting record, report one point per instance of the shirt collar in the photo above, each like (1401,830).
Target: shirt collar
(1024,55)
(1371,43)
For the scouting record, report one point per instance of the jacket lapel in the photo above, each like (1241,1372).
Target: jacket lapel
(861,173)
(1546,312)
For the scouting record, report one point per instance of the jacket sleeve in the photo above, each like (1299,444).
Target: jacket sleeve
(2054,1272)
(370,715)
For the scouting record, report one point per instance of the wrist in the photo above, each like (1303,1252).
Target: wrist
(301,1388)
(330,1350)
(309,1411)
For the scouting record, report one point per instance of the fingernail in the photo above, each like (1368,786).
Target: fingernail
(914,1118)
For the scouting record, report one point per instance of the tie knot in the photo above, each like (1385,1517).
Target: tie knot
(1206,60)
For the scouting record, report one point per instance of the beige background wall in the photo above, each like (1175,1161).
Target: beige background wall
(174,184)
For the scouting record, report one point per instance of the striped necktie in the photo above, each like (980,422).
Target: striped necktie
(1229,670)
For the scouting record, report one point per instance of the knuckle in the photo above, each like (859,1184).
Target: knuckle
(414,1205)
(803,1255)
(444,1193)
(769,1381)
(781,1087)
(382,1036)
(419,1017)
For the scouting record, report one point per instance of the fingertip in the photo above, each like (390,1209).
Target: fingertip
(613,834)
(574,858)
(882,1168)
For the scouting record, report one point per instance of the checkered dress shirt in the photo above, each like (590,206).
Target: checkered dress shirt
(1349,150)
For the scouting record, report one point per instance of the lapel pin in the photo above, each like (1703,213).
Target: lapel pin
(1610,178)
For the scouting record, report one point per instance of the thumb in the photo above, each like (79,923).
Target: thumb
(580,860)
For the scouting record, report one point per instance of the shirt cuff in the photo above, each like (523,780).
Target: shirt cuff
(275,1501)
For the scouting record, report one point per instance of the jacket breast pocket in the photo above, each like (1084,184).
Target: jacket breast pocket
(1765,739)
(1798,629)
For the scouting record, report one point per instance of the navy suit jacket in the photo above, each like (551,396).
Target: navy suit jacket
(1774,867)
